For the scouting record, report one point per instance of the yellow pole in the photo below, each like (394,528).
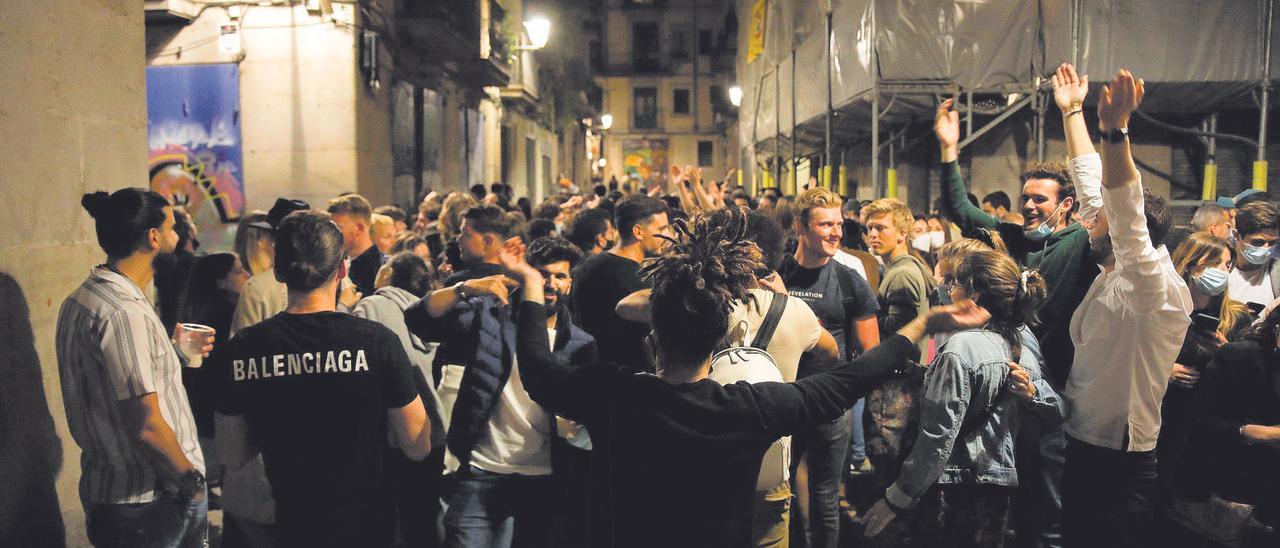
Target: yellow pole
(844,182)
(1210,182)
(892,179)
(1260,175)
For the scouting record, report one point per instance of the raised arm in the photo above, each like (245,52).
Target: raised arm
(1135,256)
(955,199)
(1069,92)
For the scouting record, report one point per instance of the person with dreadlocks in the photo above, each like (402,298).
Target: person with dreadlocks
(676,455)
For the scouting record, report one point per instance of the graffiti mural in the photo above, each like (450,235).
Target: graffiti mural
(195,157)
(645,159)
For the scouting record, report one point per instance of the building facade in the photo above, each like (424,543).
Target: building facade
(663,67)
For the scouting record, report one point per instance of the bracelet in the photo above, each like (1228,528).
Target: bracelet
(1076,111)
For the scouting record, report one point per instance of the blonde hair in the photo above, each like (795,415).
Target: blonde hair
(451,213)
(1197,249)
(378,222)
(898,212)
(812,198)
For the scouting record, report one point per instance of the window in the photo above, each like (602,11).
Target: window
(645,47)
(704,42)
(680,44)
(644,108)
(718,97)
(705,153)
(680,101)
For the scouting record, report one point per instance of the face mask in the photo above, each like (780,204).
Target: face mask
(1045,229)
(921,243)
(937,239)
(1256,255)
(944,293)
(1231,237)
(1212,282)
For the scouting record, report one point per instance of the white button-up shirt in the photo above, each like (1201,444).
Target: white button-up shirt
(1129,329)
(111,346)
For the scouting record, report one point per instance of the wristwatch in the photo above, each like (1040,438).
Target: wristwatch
(460,289)
(191,483)
(1115,136)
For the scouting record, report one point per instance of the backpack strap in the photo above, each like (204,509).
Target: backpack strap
(770,323)
(849,302)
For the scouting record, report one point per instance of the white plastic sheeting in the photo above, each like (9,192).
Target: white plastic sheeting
(1194,54)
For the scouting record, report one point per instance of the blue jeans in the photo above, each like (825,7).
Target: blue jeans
(496,510)
(858,440)
(825,446)
(163,523)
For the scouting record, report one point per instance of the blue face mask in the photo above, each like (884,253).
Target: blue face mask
(944,293)
(1256,255)
(1045,229)
(1212,282)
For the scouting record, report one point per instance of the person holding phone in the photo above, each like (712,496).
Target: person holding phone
(1205,262)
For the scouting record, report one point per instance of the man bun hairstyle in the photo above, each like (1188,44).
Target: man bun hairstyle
(123,218)
(549,249)
(308,250)
(710,267)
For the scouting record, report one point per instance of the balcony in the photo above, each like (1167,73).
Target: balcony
(466,37)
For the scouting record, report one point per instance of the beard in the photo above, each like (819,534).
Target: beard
(552,300)
(1100,249)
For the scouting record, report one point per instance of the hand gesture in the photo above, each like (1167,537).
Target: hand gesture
(946,125)
(512,258)
(1118,100)
(1019,384)
(877,518)
(497,286)
(1069,89)
(695,175)
(677,176)
(963,315)
(348,296)
(773,283)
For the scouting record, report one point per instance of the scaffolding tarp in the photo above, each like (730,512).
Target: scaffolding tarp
(1195,55)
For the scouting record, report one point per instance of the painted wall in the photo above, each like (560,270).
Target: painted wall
(311,126)
(75,112)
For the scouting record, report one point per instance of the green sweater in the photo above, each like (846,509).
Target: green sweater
(904,295)
(1063,259)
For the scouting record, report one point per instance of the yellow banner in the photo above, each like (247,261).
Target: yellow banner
(755,42)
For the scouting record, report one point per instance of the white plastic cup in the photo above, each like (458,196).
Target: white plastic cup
(192,341)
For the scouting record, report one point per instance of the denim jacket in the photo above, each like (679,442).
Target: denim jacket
(968,374)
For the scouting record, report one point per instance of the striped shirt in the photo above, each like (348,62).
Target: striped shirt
(111,346)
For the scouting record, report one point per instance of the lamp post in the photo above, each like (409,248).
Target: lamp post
(735,96)
(538,29)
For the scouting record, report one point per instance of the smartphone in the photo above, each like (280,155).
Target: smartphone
(1205,322)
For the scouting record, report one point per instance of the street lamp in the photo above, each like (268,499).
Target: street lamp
(735,96)
(539,31)
(606,121)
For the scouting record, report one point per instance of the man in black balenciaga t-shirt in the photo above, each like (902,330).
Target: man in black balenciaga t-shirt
(317,392)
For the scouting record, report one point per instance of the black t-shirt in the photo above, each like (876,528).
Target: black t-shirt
(364,269)
(598,284)
(675,465)
(821,289)
(315,390)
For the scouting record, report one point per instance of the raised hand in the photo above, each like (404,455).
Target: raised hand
(1069,88)
(946,125)
(1118,100)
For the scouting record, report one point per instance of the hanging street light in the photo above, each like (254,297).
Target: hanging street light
(735,96)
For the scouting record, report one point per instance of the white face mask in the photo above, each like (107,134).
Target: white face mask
(921,242)
(937,238)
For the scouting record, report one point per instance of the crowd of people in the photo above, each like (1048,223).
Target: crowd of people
(691,364)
